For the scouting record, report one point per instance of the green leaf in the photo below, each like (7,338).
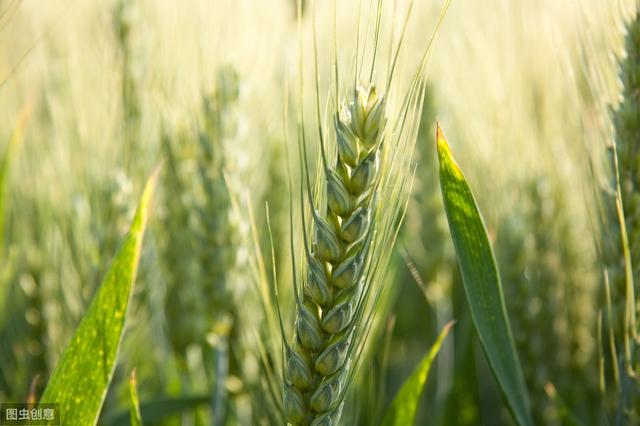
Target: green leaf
(80,381)
(405,404)
(136,417)
(482,283)
(158,410)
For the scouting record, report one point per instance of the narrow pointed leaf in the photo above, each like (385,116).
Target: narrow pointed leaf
(405,404)
(80,381)
(136,417)
(482,284)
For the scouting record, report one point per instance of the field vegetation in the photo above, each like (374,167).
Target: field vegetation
(305,212)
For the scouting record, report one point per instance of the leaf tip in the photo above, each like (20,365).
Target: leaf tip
(155,173)
(445,157)
(442,146)
(448,326)
(133,380)
(151,184)
(441,141)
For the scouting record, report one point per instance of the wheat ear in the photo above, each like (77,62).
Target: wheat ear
(318,362)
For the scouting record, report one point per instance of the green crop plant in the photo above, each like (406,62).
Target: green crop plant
(26,357)
(303,195)
(627,127)
(354,215)
(618,326)
(318,363)
(202,293)
(124,22)
(548,305)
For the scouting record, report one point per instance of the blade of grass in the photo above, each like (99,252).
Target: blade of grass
(80,381)
(481,282)
(136,418)
(630,331)
(403,409)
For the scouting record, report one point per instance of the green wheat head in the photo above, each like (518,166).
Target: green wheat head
(200,220)
(355,211)
(318,363)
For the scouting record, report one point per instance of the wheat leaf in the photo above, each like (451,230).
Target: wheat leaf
(80,381)
(405,404)
(134,403)
(481,282)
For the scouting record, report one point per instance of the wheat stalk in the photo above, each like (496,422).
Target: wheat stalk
(622,237)
(124,24)
(627,126)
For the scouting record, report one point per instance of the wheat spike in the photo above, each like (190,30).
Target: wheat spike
(200,221)
(318,363)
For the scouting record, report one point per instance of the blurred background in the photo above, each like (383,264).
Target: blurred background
(108,89)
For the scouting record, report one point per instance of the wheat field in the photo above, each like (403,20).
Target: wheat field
(361,212)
